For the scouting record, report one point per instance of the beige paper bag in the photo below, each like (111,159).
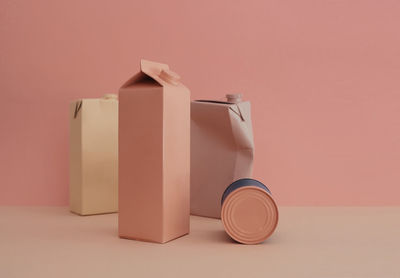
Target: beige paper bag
(222,150)
(94,155)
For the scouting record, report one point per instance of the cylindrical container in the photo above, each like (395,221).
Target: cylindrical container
(249,213)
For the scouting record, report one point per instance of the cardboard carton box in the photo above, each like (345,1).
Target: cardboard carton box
(222,151)
(154,155)
(94,155)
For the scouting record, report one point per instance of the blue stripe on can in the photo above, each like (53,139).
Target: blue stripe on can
(241,183)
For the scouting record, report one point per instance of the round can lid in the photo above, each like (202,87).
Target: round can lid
(249,214)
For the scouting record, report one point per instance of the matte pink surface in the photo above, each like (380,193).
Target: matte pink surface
(322,76)
(310,242)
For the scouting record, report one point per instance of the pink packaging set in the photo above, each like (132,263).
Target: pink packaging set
(167,158)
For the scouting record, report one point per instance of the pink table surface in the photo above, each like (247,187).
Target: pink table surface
(309,242)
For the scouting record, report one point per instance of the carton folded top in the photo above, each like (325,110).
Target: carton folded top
(234,102)
(158,72)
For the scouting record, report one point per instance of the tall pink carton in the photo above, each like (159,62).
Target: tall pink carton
(154,155)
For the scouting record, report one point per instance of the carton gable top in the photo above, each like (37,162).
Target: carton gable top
(236,108)
(157,72)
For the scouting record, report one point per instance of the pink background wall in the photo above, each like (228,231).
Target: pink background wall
(323,77)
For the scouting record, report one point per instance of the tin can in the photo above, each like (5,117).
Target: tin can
(249,213)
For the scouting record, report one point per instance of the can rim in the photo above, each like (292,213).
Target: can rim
(240,183)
